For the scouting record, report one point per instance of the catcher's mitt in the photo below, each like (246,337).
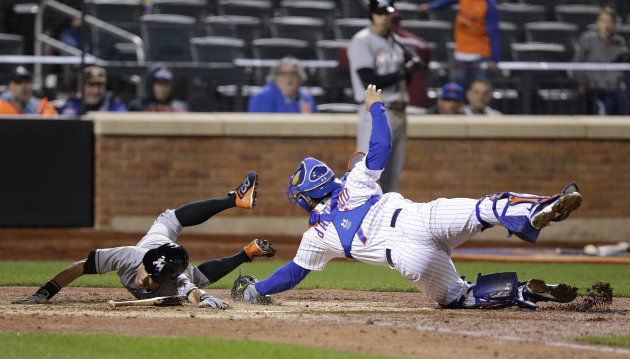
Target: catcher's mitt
(244,290)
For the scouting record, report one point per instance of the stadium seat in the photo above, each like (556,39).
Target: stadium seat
(336,80)
(11,44)
(539,51)
(246,28)
(338,108)
(409,11)
(120,13)
(116,11)
(582,15)
(433,31)
(261,9)
(325,10)
(167,37)
(520,14)
(298,27)
(354,9)
(347,27)
(216,49)
(554,32)
(509,35)
(445,14)
(277,48)
(197,9)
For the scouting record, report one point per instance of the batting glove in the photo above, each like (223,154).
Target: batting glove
(206,300)
(36,298)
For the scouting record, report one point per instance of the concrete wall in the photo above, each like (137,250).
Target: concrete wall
(147,162)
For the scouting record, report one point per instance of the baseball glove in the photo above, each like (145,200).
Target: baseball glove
(244,290)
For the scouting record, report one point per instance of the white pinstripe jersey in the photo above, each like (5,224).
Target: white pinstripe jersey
(321,243)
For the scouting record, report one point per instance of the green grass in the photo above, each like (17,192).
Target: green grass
(102,346)
(352,275)
(616,340)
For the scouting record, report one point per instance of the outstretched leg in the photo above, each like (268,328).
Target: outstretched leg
(524,214)
(216,269)
(194,213)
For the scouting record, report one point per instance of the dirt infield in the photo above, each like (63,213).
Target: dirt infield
(404,324)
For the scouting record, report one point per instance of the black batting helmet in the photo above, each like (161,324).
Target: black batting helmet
(165,262)
(381,7)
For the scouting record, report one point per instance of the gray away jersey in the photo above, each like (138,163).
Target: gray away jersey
(127,260)
(370,50)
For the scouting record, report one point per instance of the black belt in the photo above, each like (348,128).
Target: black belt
(388,254)
(398,105)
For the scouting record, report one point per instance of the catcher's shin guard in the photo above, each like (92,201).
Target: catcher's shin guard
(494,291)
(536,212)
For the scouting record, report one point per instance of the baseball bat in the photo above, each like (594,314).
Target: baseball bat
(157,301)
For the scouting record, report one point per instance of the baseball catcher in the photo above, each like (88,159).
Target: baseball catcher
(351,217)
(157,266)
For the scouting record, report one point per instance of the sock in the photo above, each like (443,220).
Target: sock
(487,213)
(49,289)
(194,213)
(216,269)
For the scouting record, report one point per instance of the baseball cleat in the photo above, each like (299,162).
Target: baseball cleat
(33,299)
(537,290)
(260,248)
(557,208)
(246,192)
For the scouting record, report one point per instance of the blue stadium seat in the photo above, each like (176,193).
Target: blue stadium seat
(194,8)
(346,28)
(167,37)
(582,15)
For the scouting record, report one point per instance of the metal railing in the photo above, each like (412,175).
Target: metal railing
(41,38)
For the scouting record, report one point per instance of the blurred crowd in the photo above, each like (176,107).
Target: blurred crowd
(384,53)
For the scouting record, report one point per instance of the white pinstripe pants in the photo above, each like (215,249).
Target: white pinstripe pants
(429,232)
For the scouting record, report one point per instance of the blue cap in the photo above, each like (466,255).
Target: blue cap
(163,73)
(452,91)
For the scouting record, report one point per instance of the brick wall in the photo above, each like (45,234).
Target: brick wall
(142,175)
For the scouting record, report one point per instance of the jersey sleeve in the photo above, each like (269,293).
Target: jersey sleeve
(185,281)
(117,259)
(360,54)
(313,254)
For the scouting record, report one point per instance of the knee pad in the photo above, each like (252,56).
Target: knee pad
(518,225)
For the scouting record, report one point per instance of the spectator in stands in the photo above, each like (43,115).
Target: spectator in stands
(479,96)
(96,98)
(282,92)
(158,84)
(417,83)
(19,99)
(605,90)
(477,39)
(451,101)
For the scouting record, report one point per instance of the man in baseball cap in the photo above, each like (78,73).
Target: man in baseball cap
(19,99)
(159,89)
(96,97)
(451,101)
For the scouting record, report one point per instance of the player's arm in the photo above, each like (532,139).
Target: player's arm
(369,76)
(492,26)
(53,286)
(381,137)
(196,295)
(284,278)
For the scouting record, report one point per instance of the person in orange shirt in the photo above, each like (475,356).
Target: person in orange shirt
(19,99)
(477,39)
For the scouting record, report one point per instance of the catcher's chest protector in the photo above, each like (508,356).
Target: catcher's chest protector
(346,223)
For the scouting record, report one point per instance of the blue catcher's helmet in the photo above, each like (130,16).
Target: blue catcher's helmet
(313,179)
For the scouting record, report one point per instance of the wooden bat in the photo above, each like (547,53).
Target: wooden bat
(157,301)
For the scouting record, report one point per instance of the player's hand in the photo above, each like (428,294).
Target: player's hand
(33,299)
(208,301)
(372,95)
(424,8)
